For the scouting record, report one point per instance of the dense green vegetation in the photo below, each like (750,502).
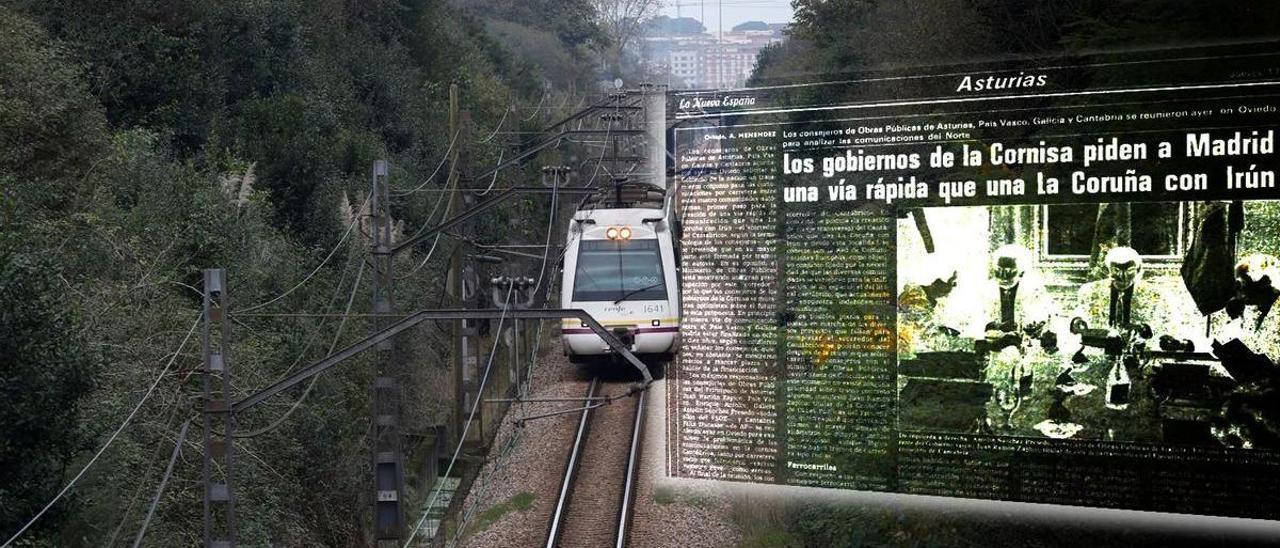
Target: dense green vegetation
(144,141)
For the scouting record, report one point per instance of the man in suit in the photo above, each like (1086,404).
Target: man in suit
(1015,297)
(1123,300)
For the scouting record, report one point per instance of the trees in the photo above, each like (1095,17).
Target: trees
(119,123)
(46,370)
(846,35)
(49,123)
(675,25)
(621,22)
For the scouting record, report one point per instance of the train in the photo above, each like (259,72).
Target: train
(621,266)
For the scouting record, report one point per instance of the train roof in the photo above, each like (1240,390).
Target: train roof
(617,216)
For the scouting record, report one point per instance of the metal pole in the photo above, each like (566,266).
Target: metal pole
(455,286)
(219,501)
(468,331)
(655,130)
(388,474)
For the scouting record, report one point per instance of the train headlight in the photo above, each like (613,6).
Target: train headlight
(612,233)
(624,233)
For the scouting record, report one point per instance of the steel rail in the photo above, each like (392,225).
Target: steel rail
(570,472)
(633,464)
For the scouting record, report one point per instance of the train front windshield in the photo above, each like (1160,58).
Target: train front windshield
(610,270)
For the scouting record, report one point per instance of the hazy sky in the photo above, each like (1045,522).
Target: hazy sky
(735,11)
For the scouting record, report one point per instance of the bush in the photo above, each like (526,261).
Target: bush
(49,124)
(46,370)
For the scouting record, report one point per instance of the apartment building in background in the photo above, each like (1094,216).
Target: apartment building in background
(696,59)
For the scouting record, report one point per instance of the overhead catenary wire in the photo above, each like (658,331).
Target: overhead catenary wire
(305,280)
(537,341)
(738,3)
(155,459)
(537,336)
(439,200)
(311,338)
(551,221)
(600,160)
(436,240)
(484,192)
(470,418)
(495,177)
(128,419)
(537,108)
(434,243)
(451,189)
(505,112)
(542,278)
(315,333)
(524,386)
(434,172)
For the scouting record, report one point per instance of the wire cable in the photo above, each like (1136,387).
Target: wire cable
(452,140)
(332,345)
(440,200)
(600,161)
(495,176)
(415,269)
(315,333)
(537,108)
(436,240)
(168,472)
(546,248)
(470,418)
(350,226)
(333,301)
(504,455)
(155,459)
(113,437)
(505,112)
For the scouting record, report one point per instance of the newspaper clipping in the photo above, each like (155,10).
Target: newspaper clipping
(1045,281)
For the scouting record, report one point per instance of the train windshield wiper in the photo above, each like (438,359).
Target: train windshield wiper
(634,291)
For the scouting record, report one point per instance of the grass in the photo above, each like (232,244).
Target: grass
(664,495)
(772,538)
(764,523)
(521,502)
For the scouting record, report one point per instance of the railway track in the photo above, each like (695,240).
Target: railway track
(593,508)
